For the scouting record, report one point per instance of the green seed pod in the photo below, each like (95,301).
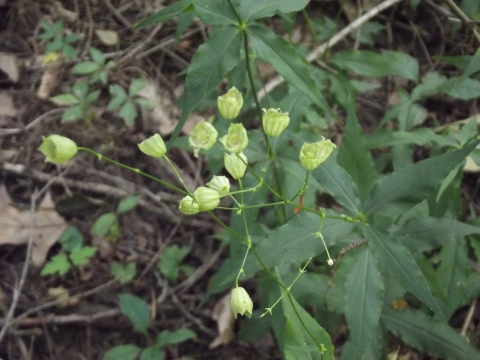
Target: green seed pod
(208,199)
(240,302)
(236,139)
(204,136)
(153,146)
(188,206)
(230,103)
(234,165)
(312,155)
(220,184)
(274,122)
(58,149)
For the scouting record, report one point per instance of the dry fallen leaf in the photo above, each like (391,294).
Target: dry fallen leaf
(9,65)
(15,225)
(107,37)
(160,117)
(49,81)
(223,315)
(7,107)
(67,15)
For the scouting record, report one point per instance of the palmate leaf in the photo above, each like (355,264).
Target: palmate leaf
(216,57)
(396,259)
(428,334)
(288,62)
(297,342)
(401,189)
(364,290)
(354,155)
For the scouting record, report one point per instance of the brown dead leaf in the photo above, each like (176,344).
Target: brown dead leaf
(68,16)
(7,107)
(223,315)
(15,225)
(107,37)
(9,65)
(49,81)
(160,117)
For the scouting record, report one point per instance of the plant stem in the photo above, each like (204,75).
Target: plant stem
(135,170)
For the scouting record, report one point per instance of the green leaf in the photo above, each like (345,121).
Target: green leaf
(54,45)
(428,334)
(255,9)
(462,88)
(452,275)
(402,63)
(92,96)
(422,136)
(128,113)
(369,63)
(127,204)
(297,342)
(71,38)
(214,12)
(431,84)
(473,65)
(80,255)
(170,260)
(338,183)
(288,62)
(213,59)
(119,96)
(398,191)
(123,274)
(354,155)
(103,225)
(166,13)
(136,85)
(136,310)
(97,56)
(296,241)
(57,264)
(364,290)
(72,114)
(85,67)
(65,100)
(151,353)
(124,352)
(71,238)
(396,259)
(427,233)
(80,90)
(167,337)
(69,51)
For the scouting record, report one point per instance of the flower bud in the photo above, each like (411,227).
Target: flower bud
(234,164)
(153,146)
(240,302)
(312,155)
(274,121)
(230,103)
(220,184)
(236,139)
(188,206)
(208,199)
(203,136)
(58,149)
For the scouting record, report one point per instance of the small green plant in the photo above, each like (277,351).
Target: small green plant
(170,262)
(138,312)
(73,253)
(97,69)
(79,101)
(57,41)
(123,273)
(125,102)
(107,225)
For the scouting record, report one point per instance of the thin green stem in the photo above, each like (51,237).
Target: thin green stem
(310,26)
(178,175)
(135,170)
(302,190)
